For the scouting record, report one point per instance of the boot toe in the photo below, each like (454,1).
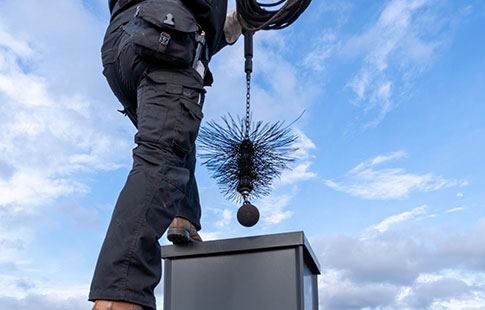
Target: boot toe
(181,231)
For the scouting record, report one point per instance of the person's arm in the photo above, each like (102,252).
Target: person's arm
(232,31)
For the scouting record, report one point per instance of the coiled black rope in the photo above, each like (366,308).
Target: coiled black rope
(254,15)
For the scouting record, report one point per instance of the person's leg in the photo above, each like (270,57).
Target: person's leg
(129,265)
(184,227)
(190,205)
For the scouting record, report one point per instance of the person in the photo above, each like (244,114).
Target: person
(164,102)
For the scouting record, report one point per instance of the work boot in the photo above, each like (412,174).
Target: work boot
(115,305)
(182,231)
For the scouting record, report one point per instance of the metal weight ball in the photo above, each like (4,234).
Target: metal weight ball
(248,215)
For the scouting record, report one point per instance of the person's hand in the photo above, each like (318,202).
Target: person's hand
(232,27)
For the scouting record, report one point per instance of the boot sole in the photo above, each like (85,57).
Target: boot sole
(178,236)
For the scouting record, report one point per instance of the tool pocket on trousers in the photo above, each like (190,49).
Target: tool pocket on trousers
(168,115)
(154,112)
(188,123)
(164,32)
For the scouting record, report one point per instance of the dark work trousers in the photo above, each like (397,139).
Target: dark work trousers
(161,183)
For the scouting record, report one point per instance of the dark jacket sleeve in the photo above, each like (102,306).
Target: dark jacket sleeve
(211,15)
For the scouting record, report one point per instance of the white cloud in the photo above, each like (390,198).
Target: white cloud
(367,182)
(398,218)
(401,43)
(423,295)
(337,292)
(24,293)
(327,47)
(298,173)
(58,125)
(272,208)
(47,136)
(378,160)
(406,269)
(52,126)
(455,209)
(227,216)
(303,144)
(395,41)
(19,47)
(392,50)
(33,188)
(300,169)
(44,302)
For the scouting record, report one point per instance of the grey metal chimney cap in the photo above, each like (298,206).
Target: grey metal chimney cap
(244,244)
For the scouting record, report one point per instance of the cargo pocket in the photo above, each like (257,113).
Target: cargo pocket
(163,32)
(152,112)
(189,119)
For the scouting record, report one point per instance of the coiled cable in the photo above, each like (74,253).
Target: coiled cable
(254,15)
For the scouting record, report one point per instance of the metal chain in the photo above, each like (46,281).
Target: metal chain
(248,98)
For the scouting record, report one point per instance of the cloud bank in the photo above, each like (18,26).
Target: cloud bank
(402,269)
(368,181)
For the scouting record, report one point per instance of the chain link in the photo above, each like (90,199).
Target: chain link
(248,99)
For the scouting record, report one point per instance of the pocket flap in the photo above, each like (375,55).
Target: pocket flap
(193,108)
(171,14)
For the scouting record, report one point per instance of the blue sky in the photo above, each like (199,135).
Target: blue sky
(388,185)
